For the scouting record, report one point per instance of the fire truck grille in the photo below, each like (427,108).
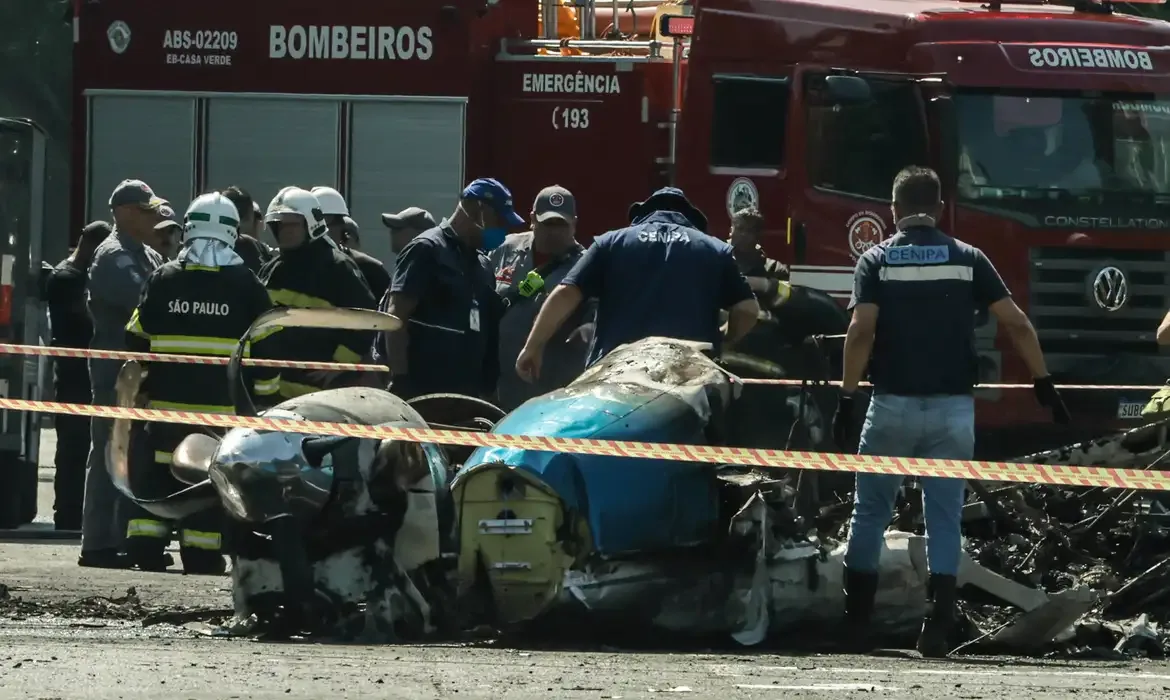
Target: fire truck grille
(1069,319)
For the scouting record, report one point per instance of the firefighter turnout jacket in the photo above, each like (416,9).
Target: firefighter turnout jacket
(195,310)
(316,275)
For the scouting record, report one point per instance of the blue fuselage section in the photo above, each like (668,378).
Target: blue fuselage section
(632,505)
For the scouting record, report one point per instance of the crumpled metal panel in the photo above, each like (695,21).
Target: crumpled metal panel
(654,390)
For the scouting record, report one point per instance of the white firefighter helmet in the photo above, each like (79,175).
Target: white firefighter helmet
(212,216)
(331,201)
(294,200)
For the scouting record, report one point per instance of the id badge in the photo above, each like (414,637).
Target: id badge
(473,322)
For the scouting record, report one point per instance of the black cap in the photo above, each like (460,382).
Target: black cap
(170,218)
(351,229)
(555,203)
(135,192)
(96,232)
(668,199)
(412,217)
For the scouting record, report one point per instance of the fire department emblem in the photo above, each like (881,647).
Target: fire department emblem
(119,35)
(741,195)
(866,229)
(556,199)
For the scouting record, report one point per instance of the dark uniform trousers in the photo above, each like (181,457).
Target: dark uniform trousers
(70,458)
(192,310)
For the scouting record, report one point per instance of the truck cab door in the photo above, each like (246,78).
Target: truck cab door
(733,146)
(860,130)
(22,316)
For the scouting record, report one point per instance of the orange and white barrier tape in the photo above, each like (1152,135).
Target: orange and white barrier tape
(1062,387)
(125,356)
(982,471)
(85,354)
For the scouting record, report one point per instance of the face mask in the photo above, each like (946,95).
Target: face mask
(492,237)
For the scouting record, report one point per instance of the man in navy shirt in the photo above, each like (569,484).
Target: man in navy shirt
(446,296)
(660,276)
(921,353)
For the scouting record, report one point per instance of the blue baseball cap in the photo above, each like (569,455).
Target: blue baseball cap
(492,191)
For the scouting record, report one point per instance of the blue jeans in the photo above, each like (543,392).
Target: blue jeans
(941,427)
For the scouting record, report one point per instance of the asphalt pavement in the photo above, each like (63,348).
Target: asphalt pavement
(67,632)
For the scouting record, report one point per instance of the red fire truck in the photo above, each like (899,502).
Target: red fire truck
(1046,122)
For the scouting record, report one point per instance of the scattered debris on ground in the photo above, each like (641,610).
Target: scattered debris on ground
(1060,551)
(1054,539)
(126,608)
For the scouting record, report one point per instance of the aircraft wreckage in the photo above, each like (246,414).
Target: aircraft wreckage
(391,540)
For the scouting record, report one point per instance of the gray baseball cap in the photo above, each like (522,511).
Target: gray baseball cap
(411,217)
(555,202)
(135,192)
(170,218)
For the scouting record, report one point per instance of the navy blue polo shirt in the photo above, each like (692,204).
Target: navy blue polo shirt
(928,287)
(453,333)
(660,277)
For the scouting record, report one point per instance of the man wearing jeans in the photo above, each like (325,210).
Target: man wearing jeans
(921,353)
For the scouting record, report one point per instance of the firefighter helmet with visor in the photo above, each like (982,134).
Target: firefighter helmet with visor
(212,216)
(332,203)
(297,202)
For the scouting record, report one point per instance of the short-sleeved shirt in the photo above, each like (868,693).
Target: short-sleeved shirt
(659,277)
(454,330)
(928,288)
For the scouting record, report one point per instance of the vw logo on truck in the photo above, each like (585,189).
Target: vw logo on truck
(1110,289)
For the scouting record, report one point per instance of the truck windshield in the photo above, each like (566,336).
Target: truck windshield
(1062,146)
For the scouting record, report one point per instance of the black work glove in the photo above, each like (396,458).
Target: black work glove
(1049,397)
(843,421)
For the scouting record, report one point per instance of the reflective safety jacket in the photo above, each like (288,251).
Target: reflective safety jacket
(194,310)
(316,276)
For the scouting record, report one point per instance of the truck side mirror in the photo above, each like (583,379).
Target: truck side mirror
(847,89)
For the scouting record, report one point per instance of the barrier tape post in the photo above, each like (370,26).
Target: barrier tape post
(979,471)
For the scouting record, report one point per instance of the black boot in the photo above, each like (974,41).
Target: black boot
(202,562)
(103,559)
(860,591)
(934,640)
(147,553)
